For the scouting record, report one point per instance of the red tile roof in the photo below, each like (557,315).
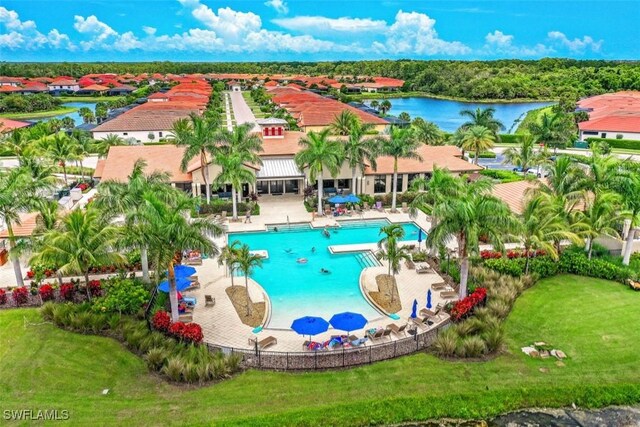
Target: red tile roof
(7,125)
(618,123)
(165,158)
(446,156)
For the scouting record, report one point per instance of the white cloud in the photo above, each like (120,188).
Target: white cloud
(25,34)
(575,45)
(323,24)
(280,6)
(149,30)
(501,43)
(498,38)
(103,36)
(414,33)
(227,22)
(92,25)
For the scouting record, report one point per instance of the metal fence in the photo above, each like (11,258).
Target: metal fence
(333,359)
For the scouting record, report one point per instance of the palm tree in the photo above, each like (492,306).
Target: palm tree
(17,142)
(384,106)
(235,172)
(374,104)
(541,226)
(471,213)
(198,135)
(552,129)
(478,139)
(48,215)
(359,150)
(601,217)
(319,154)
(482,117)
(246,262)
(524,155)
(60,149)
(344,122)
(82,144)
(228,256)
(85,238)
(391,252)
(404,116)
(103,145)
(86,114)
(127,198)
(631,195)
(169,231)
(427,133)
(400,145)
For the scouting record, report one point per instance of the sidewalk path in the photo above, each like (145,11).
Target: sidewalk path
(241,110)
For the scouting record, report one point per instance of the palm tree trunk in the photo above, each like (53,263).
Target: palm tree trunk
(82,171)
(205,175)
(246,285)
(395,184)
(353,180)
(590,248)
(173,294)
(86,283)
(15,260)
(475,160)
(629,245)
(59,275)
(526,263)
(464,276)
(64,171)
(320,194)
(231,273)
(234,203)
(144,260)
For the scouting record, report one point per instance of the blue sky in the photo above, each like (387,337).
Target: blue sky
(282,30)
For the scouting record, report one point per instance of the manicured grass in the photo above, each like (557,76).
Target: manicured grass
(88,98)
(533,116)
(593,321)
(40,114)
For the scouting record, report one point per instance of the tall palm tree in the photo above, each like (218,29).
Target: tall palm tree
(602,214)
(552,129)
(471,213)
(228,255)
(343,122)
(234,172)
(198,135)
(374,104)
(631,195)
(111,140)
(170,231)
(392,233)
(427,133)
(392,252)
(127,199)
(359,150)
(400,145)
(60,150)
(17,142)
(482,117)
(85,238)
(524,156)
(541,226)
(83,145)
(319,154)
(478,139)
(384,106)
(247,262)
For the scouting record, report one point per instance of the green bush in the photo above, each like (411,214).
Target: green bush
(446,342)
(578,263)
(625,144)
(419,256)
(543,266)
(502,175)
(487,155)
(124,296)
(218,205)
(512,267)
(509,138)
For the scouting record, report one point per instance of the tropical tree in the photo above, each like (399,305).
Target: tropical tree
(478,139)
(234,172)
(344,122)
(384,106)
(16,142)
(602,215)
(554,130)
(374,104)
(630,190)
(169,232)
(86,114)
(391,251)
(360,150)
(319,154)
(82,144)
(427,133)
(471,213)
(228,255)
(198,135)
(59,149)
(84,238)
(404,116)
(103,145)
(48,215)
(127,199)
(68,123)
(524,156)
(400,145)
(482,117)
(247,262)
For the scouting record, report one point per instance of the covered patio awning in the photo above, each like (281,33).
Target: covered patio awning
(279,169)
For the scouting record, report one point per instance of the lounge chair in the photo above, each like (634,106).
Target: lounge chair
(440,286)
(263,343)
(209,301)
(193,286)
(405,208)
(423,321)
(186,318)
(376,335)
(193,260)
(410,265)
(366,206)
(327,211)
(424,269)
(379,207)
(386,333)
(448,294)
(397,329)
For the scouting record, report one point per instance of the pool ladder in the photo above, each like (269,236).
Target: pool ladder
(367,259)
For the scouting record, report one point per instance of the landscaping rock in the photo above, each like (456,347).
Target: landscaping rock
(559,354)
(539,343)
(544,370)
(528,350)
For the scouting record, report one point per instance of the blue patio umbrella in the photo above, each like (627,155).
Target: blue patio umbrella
(310,325)
(182,283)
(352,198)
(419,237)
(414,309)
(184,270)
(429,299)
(338,199)
(348,321)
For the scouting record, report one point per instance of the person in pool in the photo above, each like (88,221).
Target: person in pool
(313,250)
(325,232)
(275,229)
(325,271)
(301,260)
(288,250)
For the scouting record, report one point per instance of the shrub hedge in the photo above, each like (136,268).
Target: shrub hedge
(218,205)
(626,144)
(502,175)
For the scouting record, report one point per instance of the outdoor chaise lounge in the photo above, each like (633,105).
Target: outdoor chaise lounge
(209,301)
(440,286)
(263,343)
(410,264)
(424,269)
(185,318)
(397,329)
(405,207)
(448,294)
(379,206)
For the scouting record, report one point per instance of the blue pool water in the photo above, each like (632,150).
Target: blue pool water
(298,290)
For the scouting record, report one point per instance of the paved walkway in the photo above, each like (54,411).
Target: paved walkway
(241,110)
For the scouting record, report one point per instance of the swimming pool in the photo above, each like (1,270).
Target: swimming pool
(297,290)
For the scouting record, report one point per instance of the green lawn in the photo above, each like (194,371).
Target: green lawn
(532,116)
(39,114)
(88,98)
(594,321)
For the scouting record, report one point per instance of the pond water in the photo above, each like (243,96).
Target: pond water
(74,115)
(446,114)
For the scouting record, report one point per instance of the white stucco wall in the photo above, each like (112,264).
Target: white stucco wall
(142,136)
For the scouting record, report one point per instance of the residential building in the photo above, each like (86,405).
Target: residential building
(612,115)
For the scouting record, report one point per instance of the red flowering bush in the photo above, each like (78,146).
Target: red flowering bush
(95,288)
(161,321)
(3,297)
(30,274)
(83,186)
(466,305)
(46,292)
(67,291)
(490,254)
(20,295)
(177,329)
(187,332)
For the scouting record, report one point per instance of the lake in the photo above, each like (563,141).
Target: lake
(74,114)
(446,113)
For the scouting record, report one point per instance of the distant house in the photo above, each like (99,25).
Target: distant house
(8,125)
(612,115)
(94,89)
(63,85)
(10,81)
(120,90)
